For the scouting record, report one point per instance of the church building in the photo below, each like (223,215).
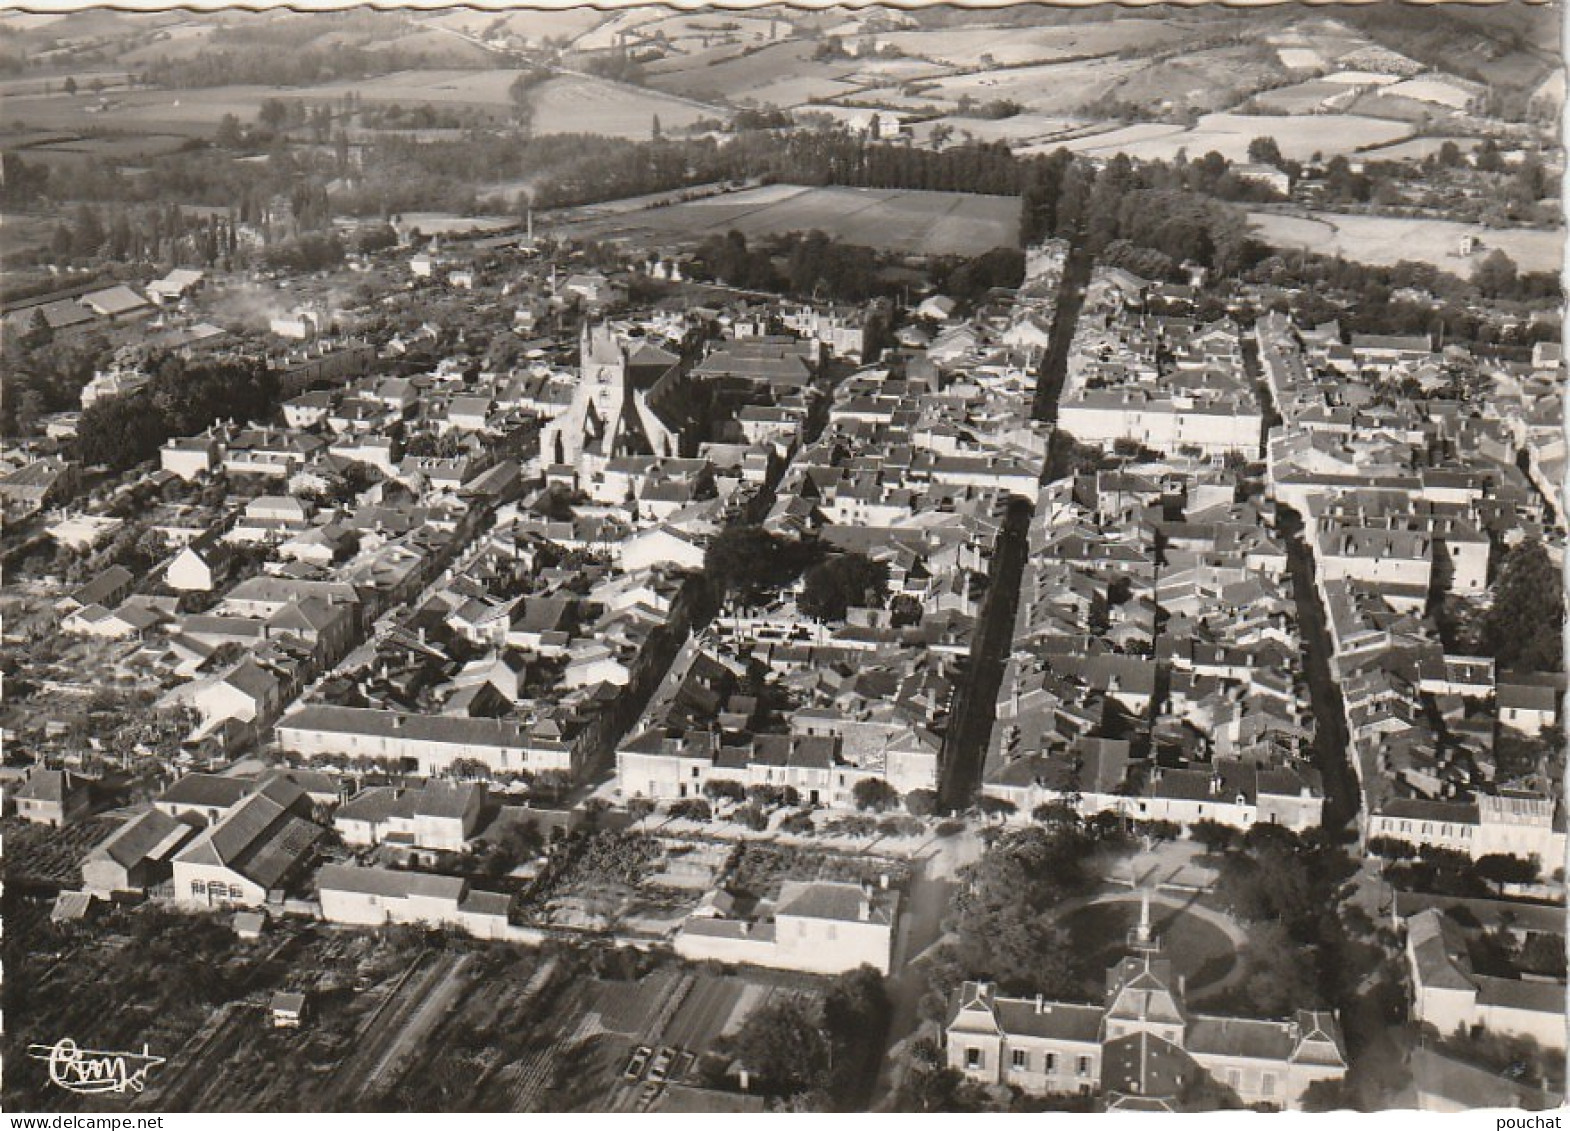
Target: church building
(631,400)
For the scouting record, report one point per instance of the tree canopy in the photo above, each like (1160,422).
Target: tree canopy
(834,586)
(750,564)
(875,794)
(181,400)
(1522,628)
(1004,924)
(798,1045)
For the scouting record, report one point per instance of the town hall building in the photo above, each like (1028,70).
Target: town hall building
(1143,1049)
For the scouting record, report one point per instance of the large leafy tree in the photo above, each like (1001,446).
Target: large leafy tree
(798,1045)
(748,563)
(784,1046)
(834,586)
(1279,978)
(875,794)
(1521,630)
(1004,928)
(181,400)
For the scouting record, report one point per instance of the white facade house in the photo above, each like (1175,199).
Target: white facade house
(1450,996)
(189,457)
(438,816)
(374,897)
(251,854)
(817,928)
(1163,423)
(433,742)
(1508,823)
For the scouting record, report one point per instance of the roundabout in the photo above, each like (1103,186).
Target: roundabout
(1202,944)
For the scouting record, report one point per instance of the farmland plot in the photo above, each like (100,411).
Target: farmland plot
(1385,240)
(932,223)
(1229,134)
(782,74)
(1302,98)
(567,104)
(1021,129)
(189,113)
(1015,46)
(1051,88)
(1417,148)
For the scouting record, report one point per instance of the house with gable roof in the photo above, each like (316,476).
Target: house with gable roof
(439,816)
(1449,994)
(817,927)
(52,797)
(136,856)
(251,854)
(376,896)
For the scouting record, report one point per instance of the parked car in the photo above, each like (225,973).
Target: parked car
(639,1061)
(662,1065)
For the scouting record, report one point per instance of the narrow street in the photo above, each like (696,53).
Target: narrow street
(1071,298)
(975,700)
(1330,753)
(1342,797)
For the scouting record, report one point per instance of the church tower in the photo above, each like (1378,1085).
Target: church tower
(602,367)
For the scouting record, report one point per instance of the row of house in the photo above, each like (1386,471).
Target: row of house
(1167,384)
(1405,499)
(914,470)
(1155,670)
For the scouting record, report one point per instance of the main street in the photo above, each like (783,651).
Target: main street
(975,700)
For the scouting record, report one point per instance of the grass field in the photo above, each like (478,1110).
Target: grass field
(1229,134)
(568,104)
(188,113)
(1014,46)
(932,223)
(1417,148)
(1302,98)
(1382,104)
(783,75)
(1436,90)
(1382,241)
(1207,80)
(1050,88)
(534,24)
(1021,129)
(1360,78)
(1201,953)
(1300,58)
(182,41)
(71,152)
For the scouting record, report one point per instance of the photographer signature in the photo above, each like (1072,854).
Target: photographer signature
(94,1071)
